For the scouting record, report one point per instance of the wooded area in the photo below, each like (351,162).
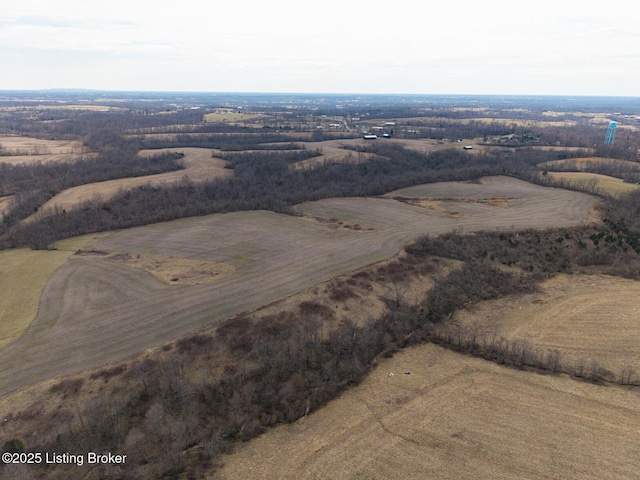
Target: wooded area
(182,406)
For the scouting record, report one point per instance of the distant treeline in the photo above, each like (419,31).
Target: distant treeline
(276,162)
(72,124)
(229,141)
(587,136)
(263,181)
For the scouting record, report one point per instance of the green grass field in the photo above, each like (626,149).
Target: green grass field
(23,276)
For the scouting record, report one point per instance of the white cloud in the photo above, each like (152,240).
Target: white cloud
(407,46)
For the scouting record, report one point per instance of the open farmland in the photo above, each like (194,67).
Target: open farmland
(340,316)
(587,162)
(271,256)
(233,117)
(505,119)
(432,413)
(23,276)
(14,149)
(586,317)
(610,185)
(199,166)
(334,151)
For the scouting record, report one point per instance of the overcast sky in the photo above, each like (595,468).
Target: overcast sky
(327,46)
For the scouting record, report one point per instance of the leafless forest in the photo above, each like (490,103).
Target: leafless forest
(453,204)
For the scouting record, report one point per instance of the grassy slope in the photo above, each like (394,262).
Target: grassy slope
(611,185)
(592,317)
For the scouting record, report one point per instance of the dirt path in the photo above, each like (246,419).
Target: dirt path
(94,311)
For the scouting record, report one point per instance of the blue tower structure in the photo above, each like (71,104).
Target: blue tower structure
(611,133)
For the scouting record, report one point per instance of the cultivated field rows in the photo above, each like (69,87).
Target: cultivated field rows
(34,150)
(605,183)
(586,317)
(95,310)
(432,413)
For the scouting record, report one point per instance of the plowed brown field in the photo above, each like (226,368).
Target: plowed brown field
(94,310)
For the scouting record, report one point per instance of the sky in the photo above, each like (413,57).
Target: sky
(495,47)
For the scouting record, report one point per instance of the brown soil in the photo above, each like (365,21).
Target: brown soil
(273,256)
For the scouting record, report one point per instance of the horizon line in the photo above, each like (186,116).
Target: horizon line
(230,92)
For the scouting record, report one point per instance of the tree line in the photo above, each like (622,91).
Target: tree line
(248,140)
(264,181)
(33,184)
(61,123)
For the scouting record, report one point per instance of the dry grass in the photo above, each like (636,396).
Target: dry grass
(167,269)
(480,118)
(233,118)
(199,165)
(33,150)
(453,417)
(588,317)
(274,256)
(362,297)
(333,151)
(523,123)
(611,185)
